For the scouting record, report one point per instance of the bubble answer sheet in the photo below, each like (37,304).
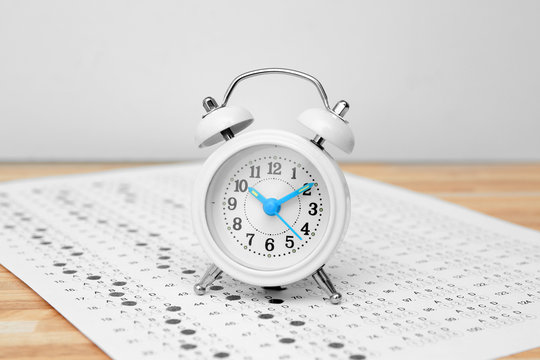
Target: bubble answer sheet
(114,253)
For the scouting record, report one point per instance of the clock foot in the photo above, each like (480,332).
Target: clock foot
(208,278)
(324,282)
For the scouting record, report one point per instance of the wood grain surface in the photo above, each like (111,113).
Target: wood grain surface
(31,329)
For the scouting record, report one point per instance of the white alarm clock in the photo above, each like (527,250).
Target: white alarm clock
(270,207)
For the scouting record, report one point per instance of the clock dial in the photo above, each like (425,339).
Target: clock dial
(267,207)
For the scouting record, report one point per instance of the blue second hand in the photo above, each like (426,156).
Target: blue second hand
(289,226)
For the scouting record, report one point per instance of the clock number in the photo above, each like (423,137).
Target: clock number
(241,185)
(274,168)
(293,173)
(307,192)
(313,210)
(289,243)
(305,229)
(232,203)
(237,223)
(250,236)
(255,172)
(269,244)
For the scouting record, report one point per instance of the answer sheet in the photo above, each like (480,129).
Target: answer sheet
(421,278)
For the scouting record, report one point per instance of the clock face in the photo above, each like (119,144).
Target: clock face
(267,207)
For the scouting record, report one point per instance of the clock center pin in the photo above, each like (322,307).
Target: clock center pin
(271,206)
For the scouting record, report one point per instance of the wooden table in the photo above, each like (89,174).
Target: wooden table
(31,329)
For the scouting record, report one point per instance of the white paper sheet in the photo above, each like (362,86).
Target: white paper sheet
(421,278)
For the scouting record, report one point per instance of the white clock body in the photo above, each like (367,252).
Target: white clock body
(246,242)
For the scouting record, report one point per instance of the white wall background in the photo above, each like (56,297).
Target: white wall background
(124,80)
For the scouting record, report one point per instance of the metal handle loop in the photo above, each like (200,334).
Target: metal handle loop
(282,71)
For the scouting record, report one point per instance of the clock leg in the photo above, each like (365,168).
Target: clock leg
(208,278)
(324,282)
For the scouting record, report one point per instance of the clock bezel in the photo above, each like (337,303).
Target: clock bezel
(337,223)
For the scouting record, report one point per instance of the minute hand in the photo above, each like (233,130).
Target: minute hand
(295,193)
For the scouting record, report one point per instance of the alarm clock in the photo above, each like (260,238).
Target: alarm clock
(270,207)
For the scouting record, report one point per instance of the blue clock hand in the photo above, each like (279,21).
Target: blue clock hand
(270,206)
(295,193)
(289,226)
(257,195)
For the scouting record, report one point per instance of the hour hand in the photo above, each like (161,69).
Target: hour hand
(256,194)
(304,188)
